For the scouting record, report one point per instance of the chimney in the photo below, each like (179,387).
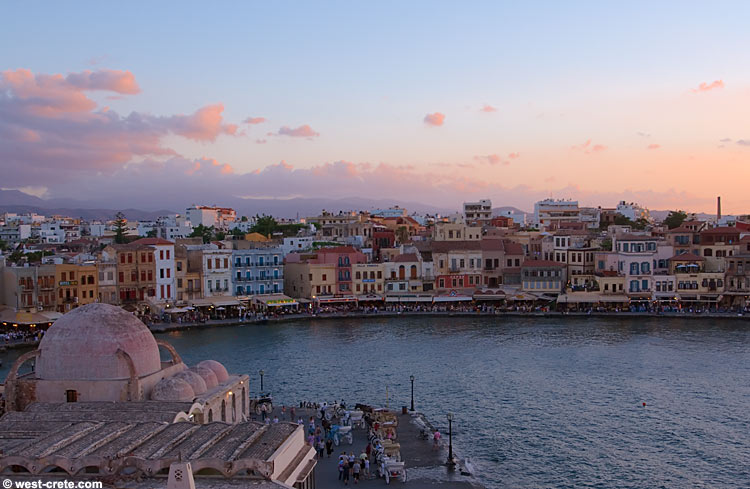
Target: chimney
(718,208)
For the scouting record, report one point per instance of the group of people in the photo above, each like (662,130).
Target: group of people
(351,467)
(17,336)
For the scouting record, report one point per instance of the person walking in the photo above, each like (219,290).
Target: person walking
(356,469)
(436,440)
(329,447)
(347,468)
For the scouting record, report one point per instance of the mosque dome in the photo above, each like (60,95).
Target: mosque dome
(218,369)
(82,345)
(195,381)
(208,376)
(172,389)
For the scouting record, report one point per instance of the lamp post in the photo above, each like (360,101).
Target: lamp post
(411,377)
(450,461)
(261,381)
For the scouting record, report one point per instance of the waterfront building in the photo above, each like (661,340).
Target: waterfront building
(694,282)
(478,212)
(75,285)
(341,257)
(737,277)
(164,267)
(368,278)
(136,273)
(188,276)
(542,277)
(501,261)
(257,270)
(403,274)
(28,288)
(458,265)
(638,258)
(684,239)
(106,267)
(215,262)
(716,245)
(304,279)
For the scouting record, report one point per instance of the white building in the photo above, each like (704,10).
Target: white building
(14,234)
(51,232)
(216,268)
(218,217)
(518,217)
(633,211)
(480,212)
(552,212)
(298,243)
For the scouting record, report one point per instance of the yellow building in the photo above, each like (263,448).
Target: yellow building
(309,280)
(75,286)
(188,279)
(368,278)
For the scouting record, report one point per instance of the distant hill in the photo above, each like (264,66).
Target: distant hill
(507,208)
(20,202)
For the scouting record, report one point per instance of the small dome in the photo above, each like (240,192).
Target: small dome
(208,376)
(172,389)
(221,373)
(82,345)
(195,381)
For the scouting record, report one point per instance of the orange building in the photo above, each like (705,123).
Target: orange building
(76,285)
(136,272)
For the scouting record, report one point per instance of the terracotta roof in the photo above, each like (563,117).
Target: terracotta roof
(681,229)
(448,246)
(721,230)
(337,249)
(687,257)
(541,264)
(152,241)
(513,248)
(635,237)
(406,257)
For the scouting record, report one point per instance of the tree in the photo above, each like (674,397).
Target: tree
(264,225)
(220,235)
(151,234)
(675,219)
(203,232)
(606,244)
(3,245)
(402,234)
(120,227)
(237,232)
(641,223)
(621,220)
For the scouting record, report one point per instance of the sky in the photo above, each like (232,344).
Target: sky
(437,102)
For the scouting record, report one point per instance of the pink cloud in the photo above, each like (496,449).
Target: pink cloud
(588,148)
(254,120)
(705,87)
(513,156)
(492,159)
(117,81)
(434,119)
(205,124)
(488,108)
(304,131)
(653,146)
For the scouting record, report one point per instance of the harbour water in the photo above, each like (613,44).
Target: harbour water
(538,402)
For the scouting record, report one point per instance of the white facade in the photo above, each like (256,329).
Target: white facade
(219,217)
(145,227)
(51,232)
(217,272)
(165,272)
(550,211)
(298,243)
(478,211)
(14,234)
(632,211)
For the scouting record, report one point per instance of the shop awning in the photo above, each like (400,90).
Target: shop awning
(176,310)
(275,300)
(9,317)
(408,298)
(579,297)
(521,296)
(613,298)
(489,295)
(370,297)
(452,298)
(215,301)
(333,300)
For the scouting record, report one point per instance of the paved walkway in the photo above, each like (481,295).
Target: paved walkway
(425,467)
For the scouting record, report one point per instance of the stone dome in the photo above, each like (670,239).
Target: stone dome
(208,376)
(195,381)
(82,345)
(172,389)
(221,373)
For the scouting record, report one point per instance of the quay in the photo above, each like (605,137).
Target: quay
(426,468)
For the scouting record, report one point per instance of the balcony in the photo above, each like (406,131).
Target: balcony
(454,269)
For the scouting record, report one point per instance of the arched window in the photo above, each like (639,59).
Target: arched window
(234,408)
(401,272)
(223,410)
(210,415)
(413,272)
(707,252)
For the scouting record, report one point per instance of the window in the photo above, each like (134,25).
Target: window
(122,258)
(150,275)
(324,277)
(217,263)
(121,277)
(71,396)
(358,276)
(161,254)
(161,273)
(707,252)
(130,258)
(226,262)
(167,254)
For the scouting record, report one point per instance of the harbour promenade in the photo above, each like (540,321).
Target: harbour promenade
(174,326)
(426,468)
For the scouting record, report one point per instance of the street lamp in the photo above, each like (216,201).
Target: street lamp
(450,461)
(261,381)
(411,377)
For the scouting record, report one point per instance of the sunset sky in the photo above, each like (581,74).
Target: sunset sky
(418,101)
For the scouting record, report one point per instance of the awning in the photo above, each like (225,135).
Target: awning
(215,301)
(522,296)
(613,298)
(332,300)
(452,298)
(10,317)
(408,298)
(489,295)
(176,310)
(275,300)
(370,297)
(578,298)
